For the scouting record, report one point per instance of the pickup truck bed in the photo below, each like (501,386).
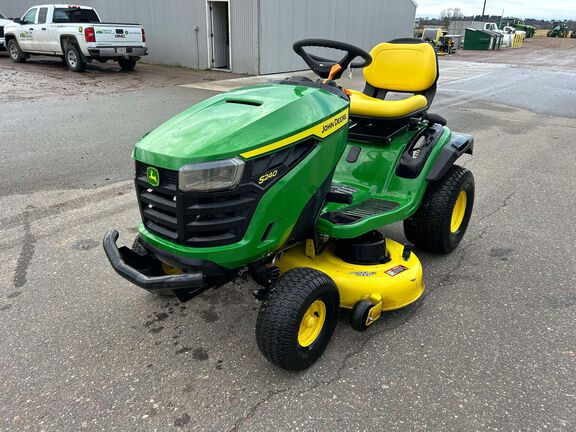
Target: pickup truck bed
(76,34)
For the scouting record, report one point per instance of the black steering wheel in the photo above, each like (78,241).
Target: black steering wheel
(322,66)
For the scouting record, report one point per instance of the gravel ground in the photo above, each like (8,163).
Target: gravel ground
(539,52)
(47,77)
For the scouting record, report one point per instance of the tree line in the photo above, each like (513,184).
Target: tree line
(443,20)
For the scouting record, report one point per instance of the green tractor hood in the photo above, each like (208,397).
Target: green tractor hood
(235,122)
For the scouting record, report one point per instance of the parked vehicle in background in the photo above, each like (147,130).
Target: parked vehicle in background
(3,22)
(514,30)
(458,26)
(76,34)
(518,24)
(559,29)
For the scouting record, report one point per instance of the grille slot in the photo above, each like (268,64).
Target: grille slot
(1,31)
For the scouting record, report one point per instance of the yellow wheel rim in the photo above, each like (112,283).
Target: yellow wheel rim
(312,323)
(458,212)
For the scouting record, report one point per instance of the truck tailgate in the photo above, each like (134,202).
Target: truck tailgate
(118,34)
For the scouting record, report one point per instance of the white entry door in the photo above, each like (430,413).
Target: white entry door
(219,35)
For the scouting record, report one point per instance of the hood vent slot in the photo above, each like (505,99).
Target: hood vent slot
(244,102)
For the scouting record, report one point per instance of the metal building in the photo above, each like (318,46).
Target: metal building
(247,36)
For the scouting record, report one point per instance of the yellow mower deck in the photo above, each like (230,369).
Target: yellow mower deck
(388,286)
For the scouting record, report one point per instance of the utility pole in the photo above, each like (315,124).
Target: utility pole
(483,10)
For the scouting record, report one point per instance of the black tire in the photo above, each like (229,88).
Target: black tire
(73,58)
(127,64)
(359,315)
(14,51)
(281,313)
(430,227)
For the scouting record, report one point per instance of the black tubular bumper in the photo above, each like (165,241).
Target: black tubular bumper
(134,267)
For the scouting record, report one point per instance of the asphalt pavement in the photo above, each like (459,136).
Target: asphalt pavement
(490,346)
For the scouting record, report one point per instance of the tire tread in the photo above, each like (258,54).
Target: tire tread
(429,227)
(280,312)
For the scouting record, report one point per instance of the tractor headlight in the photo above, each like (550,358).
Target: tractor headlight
(211,176)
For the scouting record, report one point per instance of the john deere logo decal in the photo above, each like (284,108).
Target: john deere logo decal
(152,176)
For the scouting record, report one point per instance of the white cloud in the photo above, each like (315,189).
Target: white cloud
(549,9)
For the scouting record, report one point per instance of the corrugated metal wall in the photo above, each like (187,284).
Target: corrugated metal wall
(262,31)
(169,26)
(360,22)
(244,36)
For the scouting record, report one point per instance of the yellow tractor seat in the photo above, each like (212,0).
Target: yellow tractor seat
(366,106)
(401,66)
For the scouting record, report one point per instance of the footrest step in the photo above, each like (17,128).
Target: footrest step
(365,209)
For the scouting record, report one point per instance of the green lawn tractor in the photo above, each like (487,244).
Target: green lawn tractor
(559,30)
(518,24)
(288,182)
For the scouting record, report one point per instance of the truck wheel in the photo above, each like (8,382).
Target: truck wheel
(16,54)
(297,319)
(127,64)
(73,58)
(442,218)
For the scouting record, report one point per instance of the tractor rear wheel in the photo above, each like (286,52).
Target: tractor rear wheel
(440,222)
(297,319)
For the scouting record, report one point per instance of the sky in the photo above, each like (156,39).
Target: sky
(547,9)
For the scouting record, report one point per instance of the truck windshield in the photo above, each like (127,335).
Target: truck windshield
(74,15)
(2,16)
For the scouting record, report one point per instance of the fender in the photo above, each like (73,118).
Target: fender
(72,39)
(452,150)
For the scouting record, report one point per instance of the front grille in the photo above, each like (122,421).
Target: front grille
(210,218)
(1,31)
(191,219)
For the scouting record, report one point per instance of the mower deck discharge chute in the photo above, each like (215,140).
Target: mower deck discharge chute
(289,182)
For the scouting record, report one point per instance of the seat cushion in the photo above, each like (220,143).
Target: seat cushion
(363,105)
(402,67)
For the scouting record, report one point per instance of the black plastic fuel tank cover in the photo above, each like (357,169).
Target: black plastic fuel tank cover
(367,249)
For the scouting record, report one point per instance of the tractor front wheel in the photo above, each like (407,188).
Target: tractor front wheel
(297,319)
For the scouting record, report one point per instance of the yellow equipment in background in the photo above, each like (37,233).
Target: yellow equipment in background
(432,35)
(518,40)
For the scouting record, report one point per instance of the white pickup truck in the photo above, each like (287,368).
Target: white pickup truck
(76,34)
(3,22)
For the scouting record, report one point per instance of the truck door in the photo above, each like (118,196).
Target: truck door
(41,33)
(28,30)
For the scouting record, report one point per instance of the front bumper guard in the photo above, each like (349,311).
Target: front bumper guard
(133,268)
